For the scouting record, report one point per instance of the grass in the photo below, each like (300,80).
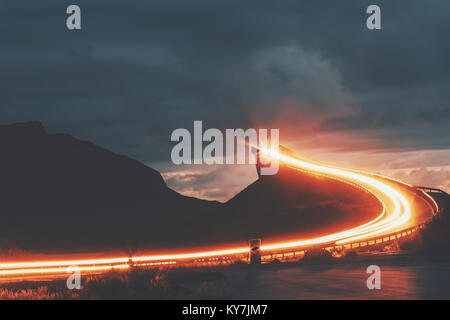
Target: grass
(180,283)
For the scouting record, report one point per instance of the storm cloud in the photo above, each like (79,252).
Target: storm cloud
(140,69)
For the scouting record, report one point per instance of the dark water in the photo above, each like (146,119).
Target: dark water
(399,280)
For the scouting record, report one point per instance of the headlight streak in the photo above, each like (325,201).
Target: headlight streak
(62,270)
(396,213)
(400,214)
(436,207)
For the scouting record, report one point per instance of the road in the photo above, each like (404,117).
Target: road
(403,205)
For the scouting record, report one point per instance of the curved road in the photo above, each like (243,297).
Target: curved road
(403,205)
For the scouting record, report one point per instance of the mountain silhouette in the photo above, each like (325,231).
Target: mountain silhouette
(60,193)
(294,205)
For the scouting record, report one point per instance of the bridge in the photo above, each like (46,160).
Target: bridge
(406,210)
(432,190)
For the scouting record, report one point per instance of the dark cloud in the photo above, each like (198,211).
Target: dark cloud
(139,69)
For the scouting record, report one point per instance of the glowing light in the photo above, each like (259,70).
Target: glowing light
(44,264)
(432,200)
(396,213)
(398,216)
(61,270)
(192,255)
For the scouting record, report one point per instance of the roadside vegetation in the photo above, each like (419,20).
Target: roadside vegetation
(180,283)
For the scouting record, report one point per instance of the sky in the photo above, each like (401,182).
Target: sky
(376,100)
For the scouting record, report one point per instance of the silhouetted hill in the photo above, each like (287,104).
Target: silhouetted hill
(58,192)
(435,238)
(294,205)
(61,192)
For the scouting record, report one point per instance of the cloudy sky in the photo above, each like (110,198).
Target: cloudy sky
(375,100)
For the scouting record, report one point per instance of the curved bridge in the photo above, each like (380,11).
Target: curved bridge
(406,210)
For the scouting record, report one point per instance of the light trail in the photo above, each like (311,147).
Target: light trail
(62,263)
(63,270)
(192,255)
(396,213)
(436,207)
(400,214)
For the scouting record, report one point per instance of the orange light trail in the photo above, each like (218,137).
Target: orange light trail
(396,213)
(61,263)
(431,199)
(399,214)
(62,270)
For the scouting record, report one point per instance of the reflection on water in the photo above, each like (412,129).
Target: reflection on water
(400,280)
